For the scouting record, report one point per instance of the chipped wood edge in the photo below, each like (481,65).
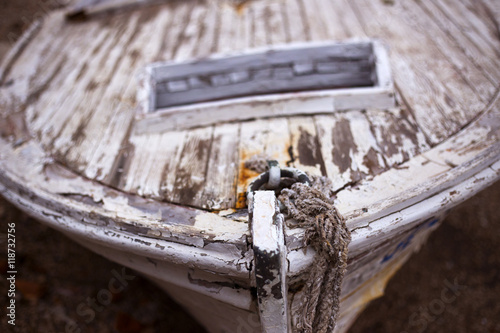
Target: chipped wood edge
(270,262)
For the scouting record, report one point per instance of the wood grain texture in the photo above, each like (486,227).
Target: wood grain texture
(349,149)
(191,170)
(78,91)
(426,72)
(219,190)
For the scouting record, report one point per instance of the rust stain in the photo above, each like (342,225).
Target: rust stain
(245,176)
(241,6)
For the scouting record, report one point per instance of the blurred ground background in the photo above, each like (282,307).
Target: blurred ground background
(55,275)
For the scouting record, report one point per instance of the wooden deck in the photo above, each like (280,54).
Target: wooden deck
(77,87)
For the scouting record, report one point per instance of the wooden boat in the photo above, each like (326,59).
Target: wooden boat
(128,130)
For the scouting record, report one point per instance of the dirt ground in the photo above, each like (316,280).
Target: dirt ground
(451,285)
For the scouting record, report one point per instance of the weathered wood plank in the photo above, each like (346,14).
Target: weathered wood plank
(318,30)
(150,183)
(222,170)
(477,28)
(172,36)
(191,35)
(244,28)
(349,149)
(489,66)
(259,35)
(424,75)
(208,31)
(23,72)
(72,115)
(105,143)
(266,138)
(146,148)
(174,146)
(306,149)
(462,64)
(41,112)
(116,106)
(275,25)
(277,141)
(191,170)
(397,135)
(227,32)
(152,155)
(335,29)
(350,22)
(294,24)
(448,164)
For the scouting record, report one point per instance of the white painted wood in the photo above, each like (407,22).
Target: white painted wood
(295,26)
(425,72)
(19,47)
(305,145)
(475,28)
(222,169)
(114,109)
(202,255)
(397,135)
(191,34)
(464,65)
(349,148)
(270,251)
(489,65)
(190,173)
(275,25)
(259,29)
(45,115)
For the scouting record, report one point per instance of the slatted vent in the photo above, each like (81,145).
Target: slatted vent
(289,80)
(271,72)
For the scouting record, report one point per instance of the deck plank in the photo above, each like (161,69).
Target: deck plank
(350,22)
(227,31)
(172,36)
(397,135)
(26,73)
(208,30)
(220,182)
(108,133)
(191,34)
(152,153)
(335,27)
(489,66)
(305,146)
(424,75)
(349,149)
(151,185)
(294,24)
(68,125)
(48,104)
(317,27)
(275,24)
(191,171)
(267,138)
(118,102)
(259,31)
(476,27)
